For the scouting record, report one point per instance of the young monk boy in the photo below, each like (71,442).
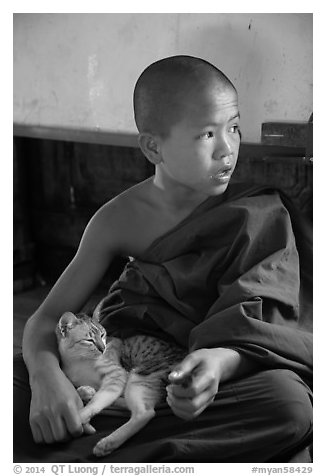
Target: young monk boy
(216,268)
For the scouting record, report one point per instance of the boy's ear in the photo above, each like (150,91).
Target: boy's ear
(150,147)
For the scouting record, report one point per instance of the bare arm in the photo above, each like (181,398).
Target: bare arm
(71,291)
(54,414)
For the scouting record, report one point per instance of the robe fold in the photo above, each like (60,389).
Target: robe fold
(235,273)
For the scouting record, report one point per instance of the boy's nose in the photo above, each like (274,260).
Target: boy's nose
(222,150)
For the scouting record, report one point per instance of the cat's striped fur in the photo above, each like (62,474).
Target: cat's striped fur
(104,369)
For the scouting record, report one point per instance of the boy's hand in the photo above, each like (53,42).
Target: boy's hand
(54,411)
(195,381)
(194,384)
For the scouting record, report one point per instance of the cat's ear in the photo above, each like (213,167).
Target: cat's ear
(67,321)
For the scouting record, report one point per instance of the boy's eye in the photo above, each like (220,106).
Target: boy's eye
(234,129)
(207,135)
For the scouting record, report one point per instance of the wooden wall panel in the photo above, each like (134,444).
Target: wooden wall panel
(292,175)
(61,185)
(23,246)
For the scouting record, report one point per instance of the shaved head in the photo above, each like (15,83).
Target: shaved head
(164,89)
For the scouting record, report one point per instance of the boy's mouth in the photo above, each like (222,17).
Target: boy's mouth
(222,175)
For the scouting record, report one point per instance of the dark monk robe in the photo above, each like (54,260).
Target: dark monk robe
(235,273)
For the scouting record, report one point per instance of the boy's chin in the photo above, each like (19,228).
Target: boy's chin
(218,189)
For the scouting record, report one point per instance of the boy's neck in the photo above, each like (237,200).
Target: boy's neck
(175,196)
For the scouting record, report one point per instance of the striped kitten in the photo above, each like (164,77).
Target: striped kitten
(105,368)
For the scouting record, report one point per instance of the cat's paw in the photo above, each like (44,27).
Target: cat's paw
(105,446)
(86,393)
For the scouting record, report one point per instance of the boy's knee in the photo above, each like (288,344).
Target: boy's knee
(291,404)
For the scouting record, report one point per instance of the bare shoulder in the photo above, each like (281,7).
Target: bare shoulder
(120,222)
(132,221)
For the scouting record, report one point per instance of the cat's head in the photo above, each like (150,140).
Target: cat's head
(80,330)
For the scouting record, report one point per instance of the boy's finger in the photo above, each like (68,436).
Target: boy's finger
(179,391)
(37,433)
(184,369)
(203,381)
(89,429)
(59,430)
(187,408)
(203,400)
(73,423)
(192,389)
(47,432)
(179,412)
(178,403)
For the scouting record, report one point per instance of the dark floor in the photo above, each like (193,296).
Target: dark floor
(24,304)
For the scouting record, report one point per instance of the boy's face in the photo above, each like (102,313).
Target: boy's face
(201,150)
